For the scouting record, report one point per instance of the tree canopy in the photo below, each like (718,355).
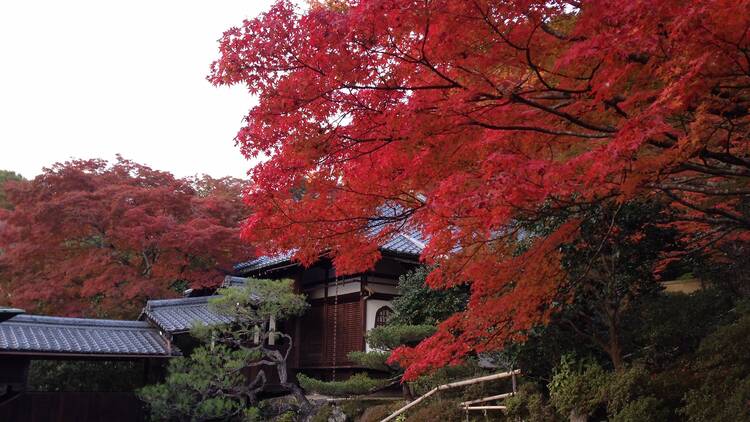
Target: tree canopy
(465,119)
(93,238)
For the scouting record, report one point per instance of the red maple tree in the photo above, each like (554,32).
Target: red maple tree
(89,238)
(462,118)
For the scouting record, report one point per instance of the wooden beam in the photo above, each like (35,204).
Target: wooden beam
(497,397)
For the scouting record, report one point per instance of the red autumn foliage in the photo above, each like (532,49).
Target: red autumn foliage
(466,117)
(88,238)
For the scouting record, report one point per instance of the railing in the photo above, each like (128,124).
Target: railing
(465,405)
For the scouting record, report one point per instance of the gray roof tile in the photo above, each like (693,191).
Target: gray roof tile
(410,243)
(75,336)
(179,315)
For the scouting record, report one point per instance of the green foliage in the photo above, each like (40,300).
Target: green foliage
(630,397)
(389,337)
(380,412)
(260,299)
(578,386)
(286,417)
(447,374)
(323,414)
(669,326)
(70,375)
(196,387)
(356,384)
(210,383)
(370,360)
(530,405)
(643,409)
(436,410)
(7,176)
(353,409)
(723,362)
(419,304)
(625,386)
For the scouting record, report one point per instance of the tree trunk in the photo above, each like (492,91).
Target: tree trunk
(614,348)
(406,392)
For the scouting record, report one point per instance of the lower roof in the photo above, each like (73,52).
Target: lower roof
(59,336)
(176,316)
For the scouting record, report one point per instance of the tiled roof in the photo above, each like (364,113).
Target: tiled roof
(230,281)
(402,244)
(78,336)
(264,262)
(179,315)
(405,243)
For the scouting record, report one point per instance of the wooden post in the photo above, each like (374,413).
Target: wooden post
(363,309)
(272,330)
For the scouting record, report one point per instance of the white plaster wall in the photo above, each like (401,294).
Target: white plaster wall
(372,307)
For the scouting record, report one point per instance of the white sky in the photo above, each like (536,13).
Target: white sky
(89,79)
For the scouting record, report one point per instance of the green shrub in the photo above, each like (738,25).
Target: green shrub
(194,387)
(445,375)
(354,408)
(644,409)
(371,360)
(419,304)
(323,414)
(436,410)
(669,326)
(723,364)
(380,412)
(389,337)
(58,375)
(626,386)
(286,417)
(530,405)
(718,399)
(356,384)
(578,387)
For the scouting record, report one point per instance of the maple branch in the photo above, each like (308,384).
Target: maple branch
(710,210)
(569,117)
(475,122)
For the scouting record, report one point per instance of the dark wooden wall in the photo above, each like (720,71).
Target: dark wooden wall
(317,327)
(73,407)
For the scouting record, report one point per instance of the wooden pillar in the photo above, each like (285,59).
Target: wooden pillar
(296,337)
(363,309)
(326,357)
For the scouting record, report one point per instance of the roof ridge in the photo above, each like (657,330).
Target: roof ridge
(77,322)
(156,303)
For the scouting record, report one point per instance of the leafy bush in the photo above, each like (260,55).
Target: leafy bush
(578,387)
(418,304)
(644,409)
(57,375)
(436,410)
(625,386)
(723,362)
(530,405)
(389,337)
(445,375)
(669,326)
(323,414)
(371,360)
(356,384)
(380,412)
(630,397)
(195,387)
